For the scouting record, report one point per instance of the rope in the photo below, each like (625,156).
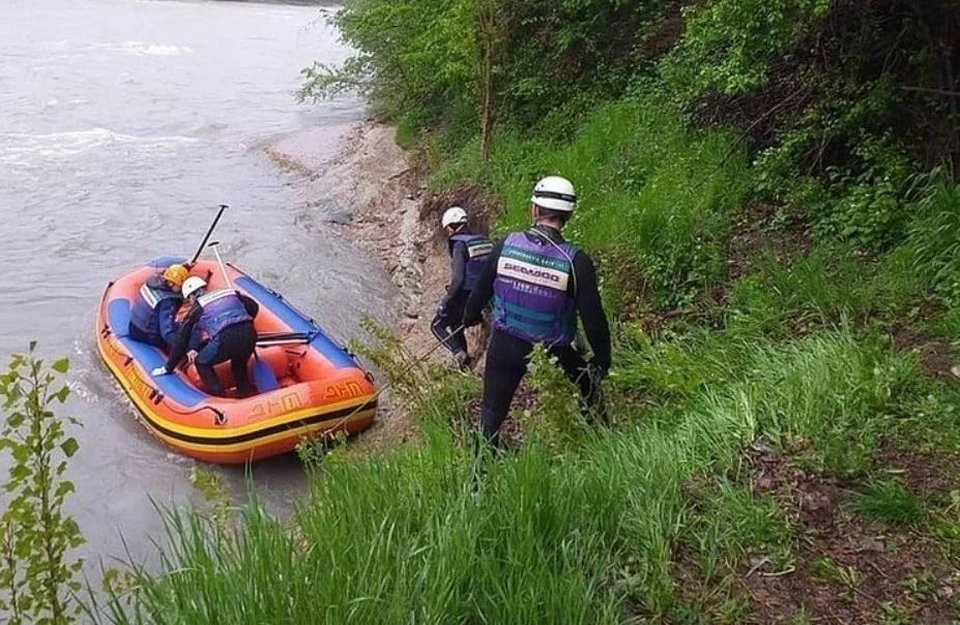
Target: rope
(386,386)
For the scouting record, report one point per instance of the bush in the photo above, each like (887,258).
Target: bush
(38,576)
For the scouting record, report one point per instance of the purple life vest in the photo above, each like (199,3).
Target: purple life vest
(144,314)
(530,293)
(221,309)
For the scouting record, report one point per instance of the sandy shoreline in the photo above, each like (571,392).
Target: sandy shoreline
(369,190)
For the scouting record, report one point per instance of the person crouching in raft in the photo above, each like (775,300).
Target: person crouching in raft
(539,284)
(225,317)
(154,313)
(468,253)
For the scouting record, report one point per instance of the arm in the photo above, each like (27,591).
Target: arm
(179,349)
(167,314)
(591,312)
(458,271)
(249,303)
(483,290)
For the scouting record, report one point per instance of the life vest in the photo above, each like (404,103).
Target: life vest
(144,311)
(478,250)
(221,309)
(530,298)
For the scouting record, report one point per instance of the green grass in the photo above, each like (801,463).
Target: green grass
(891,502)
(572,538)
(651,193)
(730,526)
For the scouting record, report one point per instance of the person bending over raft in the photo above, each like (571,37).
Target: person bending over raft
(468,253)
(539,283)
(153,317)
(225,317)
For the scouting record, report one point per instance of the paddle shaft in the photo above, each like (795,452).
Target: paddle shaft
(206,237)
(223,269)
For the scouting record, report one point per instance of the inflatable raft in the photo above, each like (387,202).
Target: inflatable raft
(308,385)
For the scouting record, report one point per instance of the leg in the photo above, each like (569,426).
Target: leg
(243,340)
(458,340)
(506,363)
(591,393)
(441,331)
(139,335)
(206,358)
(441,325)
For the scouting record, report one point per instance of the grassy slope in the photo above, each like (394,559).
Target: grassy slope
(773,449)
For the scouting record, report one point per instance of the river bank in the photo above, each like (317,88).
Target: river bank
(371,191)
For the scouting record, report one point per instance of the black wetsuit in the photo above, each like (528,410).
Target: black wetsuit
(507,355)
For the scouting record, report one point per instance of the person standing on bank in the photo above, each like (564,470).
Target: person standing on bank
(539,284)
(225,318)
(154,312)
(468,253)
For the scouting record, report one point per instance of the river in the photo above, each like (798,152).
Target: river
(123,123)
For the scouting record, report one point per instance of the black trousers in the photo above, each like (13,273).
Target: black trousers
(234,343)
(139,335)
(443,326)
(506,365)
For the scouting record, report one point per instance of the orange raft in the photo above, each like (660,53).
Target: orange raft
(308,385)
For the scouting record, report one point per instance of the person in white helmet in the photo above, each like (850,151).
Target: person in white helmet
(540,284)
(468,253)
(225,318)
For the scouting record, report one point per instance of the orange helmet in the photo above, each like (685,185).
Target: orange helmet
(175,275)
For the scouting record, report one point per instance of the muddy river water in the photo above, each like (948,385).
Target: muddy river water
(123,123)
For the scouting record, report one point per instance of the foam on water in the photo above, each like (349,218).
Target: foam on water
(21,147)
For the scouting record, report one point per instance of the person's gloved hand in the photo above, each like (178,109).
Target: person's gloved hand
(161,370)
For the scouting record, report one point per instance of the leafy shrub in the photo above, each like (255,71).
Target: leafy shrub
(38,576)
(728,44)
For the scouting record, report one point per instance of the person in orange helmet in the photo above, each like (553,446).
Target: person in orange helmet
(153,316)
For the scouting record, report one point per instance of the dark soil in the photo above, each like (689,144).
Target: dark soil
(766,229)
(936,355)
(846,569)
(929,473)
(470,198)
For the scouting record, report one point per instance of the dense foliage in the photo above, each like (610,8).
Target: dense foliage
(835,106)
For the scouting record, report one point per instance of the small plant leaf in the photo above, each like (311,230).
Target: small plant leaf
(69,447)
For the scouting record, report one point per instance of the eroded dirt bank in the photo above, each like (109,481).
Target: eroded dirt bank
(371,191)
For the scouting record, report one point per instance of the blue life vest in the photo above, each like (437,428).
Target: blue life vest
(221,309)
(144,314)
(530,297)
(478,250)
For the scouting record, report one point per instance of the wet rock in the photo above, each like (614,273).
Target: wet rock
(340,215)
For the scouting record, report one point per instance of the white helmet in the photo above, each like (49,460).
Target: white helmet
(454,215)
(555,193)
(191,285)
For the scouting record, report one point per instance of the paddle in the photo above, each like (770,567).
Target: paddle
(223,269)
(206,237)
(285,334)
(291,340)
